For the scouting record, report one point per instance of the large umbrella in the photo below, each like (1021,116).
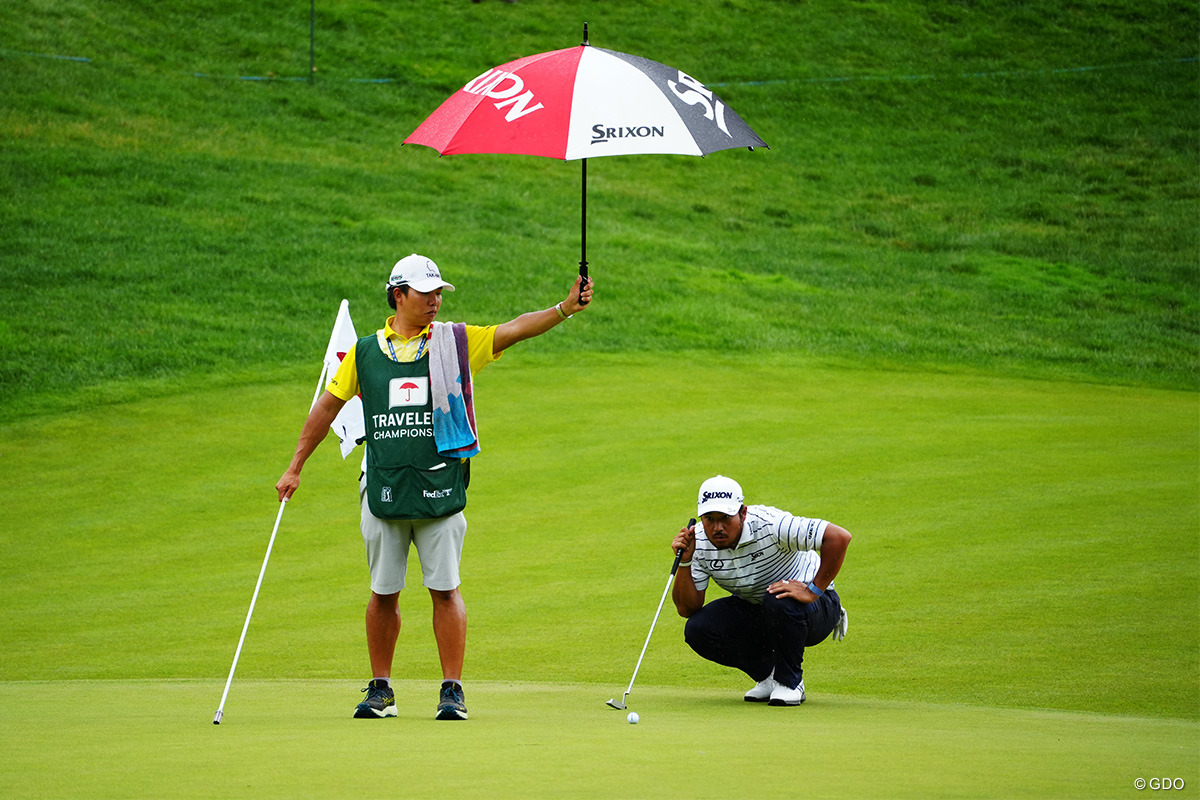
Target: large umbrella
(582,102)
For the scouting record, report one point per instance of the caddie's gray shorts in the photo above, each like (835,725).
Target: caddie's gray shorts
(439,547)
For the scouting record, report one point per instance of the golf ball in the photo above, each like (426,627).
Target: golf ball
(633,718)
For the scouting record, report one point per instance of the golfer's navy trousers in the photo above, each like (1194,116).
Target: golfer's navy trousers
(759,638)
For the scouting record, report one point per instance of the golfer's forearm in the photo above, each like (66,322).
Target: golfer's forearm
(687,600)
(833,553)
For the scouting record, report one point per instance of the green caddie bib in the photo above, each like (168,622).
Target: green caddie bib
(406,478)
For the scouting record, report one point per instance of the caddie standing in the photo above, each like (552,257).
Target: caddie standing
(415,377)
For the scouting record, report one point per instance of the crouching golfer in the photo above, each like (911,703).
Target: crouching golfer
(779,570)
(414,376)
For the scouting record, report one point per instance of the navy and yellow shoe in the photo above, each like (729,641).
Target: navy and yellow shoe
(380,702)
(450,702)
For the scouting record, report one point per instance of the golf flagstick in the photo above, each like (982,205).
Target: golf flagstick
(667,588)
(583,262)
(237,654)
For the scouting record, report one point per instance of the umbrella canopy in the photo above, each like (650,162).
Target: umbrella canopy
(584,102)
(580,103)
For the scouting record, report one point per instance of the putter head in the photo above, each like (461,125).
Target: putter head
(621,705)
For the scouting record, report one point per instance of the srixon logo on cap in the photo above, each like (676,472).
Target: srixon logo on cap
(717,496)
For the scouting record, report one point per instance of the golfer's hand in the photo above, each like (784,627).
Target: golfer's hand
(287,485)
(797,590)
(685,540)
(578,299)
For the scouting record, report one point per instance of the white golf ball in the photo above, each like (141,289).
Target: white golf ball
(633,718)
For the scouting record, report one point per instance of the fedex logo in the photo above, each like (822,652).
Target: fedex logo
(408,391)
(506,87)
(694,93)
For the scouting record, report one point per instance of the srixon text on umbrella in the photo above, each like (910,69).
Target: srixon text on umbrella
(507,88)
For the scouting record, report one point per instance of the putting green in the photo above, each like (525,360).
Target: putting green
(296,738)
(1022,587)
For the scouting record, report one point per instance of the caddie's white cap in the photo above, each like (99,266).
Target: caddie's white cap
(418,272)
(719,494)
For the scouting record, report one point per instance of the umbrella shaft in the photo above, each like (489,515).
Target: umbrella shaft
(583,263)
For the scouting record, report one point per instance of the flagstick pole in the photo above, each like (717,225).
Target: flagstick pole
(320,383)
(242,640)
(583,264)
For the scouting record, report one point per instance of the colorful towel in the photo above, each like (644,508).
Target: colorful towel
(451,390)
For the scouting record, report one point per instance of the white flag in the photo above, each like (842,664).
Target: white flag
(348,425)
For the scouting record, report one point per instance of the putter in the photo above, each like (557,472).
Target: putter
(237,654)
(678,555)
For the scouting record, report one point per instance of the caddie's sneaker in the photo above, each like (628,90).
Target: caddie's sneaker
(783,696)
(761,692)
(380,702)
(450,702)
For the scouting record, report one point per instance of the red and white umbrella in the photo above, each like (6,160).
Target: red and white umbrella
(580,103)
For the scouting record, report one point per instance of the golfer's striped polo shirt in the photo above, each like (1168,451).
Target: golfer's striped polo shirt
(774,546)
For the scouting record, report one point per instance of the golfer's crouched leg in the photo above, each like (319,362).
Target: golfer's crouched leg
(730,632)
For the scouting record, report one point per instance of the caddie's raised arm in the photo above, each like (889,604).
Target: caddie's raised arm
(535,323)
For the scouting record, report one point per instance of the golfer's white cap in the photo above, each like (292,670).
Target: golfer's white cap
(720,494)
(418,272)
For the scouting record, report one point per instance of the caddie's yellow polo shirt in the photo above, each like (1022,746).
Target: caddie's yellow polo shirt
(480,341)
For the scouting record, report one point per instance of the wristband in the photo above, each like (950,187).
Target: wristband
(685,563)
(812,587)
(561,313)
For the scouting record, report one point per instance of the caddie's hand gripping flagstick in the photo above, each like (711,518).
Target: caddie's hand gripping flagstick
(237,654)
(678,555)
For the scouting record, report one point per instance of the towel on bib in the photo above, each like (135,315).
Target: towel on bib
(451,391)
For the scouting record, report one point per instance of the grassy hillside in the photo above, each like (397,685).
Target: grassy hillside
(949,185)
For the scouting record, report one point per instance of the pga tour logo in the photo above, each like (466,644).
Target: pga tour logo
(385,495)
(408,391)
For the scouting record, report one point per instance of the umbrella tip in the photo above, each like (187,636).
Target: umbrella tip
(585,34)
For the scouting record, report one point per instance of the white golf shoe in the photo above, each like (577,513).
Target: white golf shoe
(761,692)
(783,696)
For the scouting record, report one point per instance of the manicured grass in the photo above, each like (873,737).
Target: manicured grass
(290,738)
(992,519)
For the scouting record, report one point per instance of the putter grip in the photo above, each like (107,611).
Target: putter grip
(679,552)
